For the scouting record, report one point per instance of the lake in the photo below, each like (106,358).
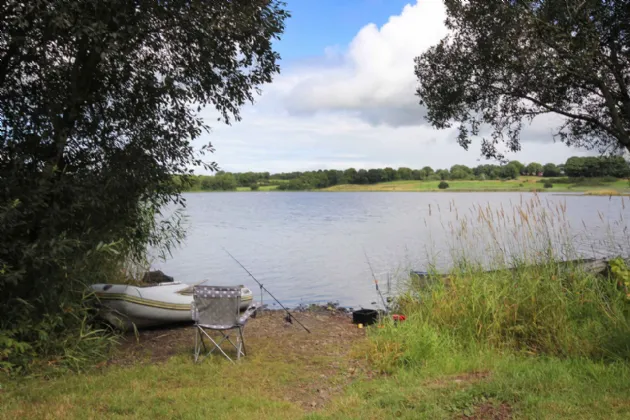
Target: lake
(314,247)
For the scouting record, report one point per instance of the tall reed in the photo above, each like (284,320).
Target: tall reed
(507,291)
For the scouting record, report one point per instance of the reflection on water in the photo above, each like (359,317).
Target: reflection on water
(312,247)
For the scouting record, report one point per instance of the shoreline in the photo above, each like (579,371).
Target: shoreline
(592,193)
(595,186)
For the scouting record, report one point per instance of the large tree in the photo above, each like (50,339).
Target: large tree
(504,62)
(99,103)
(534,168)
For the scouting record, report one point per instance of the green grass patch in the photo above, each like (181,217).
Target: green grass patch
(488,384)
(524,184)
(260,188)
(547,342)
(176,389)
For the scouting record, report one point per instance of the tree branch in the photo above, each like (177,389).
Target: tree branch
(582,117)
(623,86)
(624,137)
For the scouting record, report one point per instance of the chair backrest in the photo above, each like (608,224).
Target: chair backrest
(217,305)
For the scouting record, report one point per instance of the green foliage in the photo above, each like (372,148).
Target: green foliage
(491,171)
(310,180)
(534,168)
(405,174)
(461,172)
(443,185)
(57,327)
(390,174)
(551,170)
(548,184)
(532,58)
(515,297)
(219,182)
(510,171)
(417,175)
(245,179)
(376,175)
(544,309)
(442,174)
(427,171)
(592,166)
(96,104)
(254,187)
(621,274)
(518,165)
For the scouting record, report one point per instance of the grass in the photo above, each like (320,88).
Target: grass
(287,377)
(492,385)
(446,381)
(607,192)
(524,184)
(260,188)
(538,340)
(174,390)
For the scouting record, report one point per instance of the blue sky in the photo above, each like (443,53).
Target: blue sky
(345,97)
(317,24)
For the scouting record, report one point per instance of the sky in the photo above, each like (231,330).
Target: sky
(345,97)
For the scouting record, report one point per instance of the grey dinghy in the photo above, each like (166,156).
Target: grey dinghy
(144,306)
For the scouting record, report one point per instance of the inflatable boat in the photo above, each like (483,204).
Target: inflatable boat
(125,306)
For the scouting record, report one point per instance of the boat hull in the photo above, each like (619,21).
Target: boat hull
(128,307)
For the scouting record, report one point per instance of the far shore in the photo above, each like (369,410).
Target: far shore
(528,184)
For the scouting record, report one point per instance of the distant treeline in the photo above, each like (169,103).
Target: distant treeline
(575,167)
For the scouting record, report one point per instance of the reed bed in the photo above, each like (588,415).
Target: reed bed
(508,291)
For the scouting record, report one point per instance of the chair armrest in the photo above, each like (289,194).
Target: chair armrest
(194,312)
(251,309)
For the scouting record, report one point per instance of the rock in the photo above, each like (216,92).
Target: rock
(156,277)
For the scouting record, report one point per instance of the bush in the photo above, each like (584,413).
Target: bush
(520,185)
(254,187)
(548,185)
(443,185)
(58,328)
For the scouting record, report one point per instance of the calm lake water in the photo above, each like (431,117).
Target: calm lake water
(311,247)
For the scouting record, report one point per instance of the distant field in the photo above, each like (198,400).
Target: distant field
(525,184)
(261,188)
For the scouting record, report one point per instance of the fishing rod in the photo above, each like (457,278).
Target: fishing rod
(375,281)
(265,289)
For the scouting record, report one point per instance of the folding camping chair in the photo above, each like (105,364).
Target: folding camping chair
(217,308)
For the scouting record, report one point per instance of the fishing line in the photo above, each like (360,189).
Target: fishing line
(265,289)
(376,281)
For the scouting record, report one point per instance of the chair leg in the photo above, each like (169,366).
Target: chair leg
(238,348)
(217,345)
(200,342)
(240,332)
(195,352)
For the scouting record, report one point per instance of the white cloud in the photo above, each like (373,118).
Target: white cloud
(375,79)
(356,107)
